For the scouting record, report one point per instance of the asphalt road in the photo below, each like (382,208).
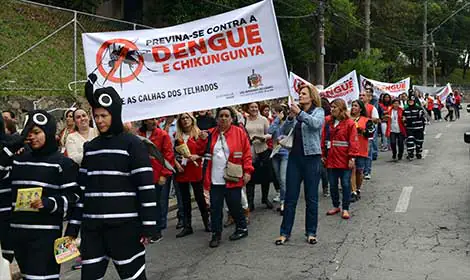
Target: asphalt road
(427,239)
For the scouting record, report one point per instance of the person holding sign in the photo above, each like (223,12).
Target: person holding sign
(304,162)
(44,186)
(189,166)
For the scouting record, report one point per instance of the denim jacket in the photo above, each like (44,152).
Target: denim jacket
(312,125)
(276,132)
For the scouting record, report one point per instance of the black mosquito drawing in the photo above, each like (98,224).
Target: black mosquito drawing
(131,58)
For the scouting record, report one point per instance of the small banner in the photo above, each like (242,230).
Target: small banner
(394,89)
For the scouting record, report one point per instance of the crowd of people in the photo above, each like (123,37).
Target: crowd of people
(112,189)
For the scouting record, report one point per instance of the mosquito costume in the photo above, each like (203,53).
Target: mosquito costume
(414,122)
(33,232)
(6,152)
(118,205)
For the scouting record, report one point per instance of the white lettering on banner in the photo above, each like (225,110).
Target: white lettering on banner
(224,60)
(346,88)
(394,89)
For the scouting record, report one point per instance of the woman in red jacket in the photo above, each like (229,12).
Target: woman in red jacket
(228,148)
(161,139)
(339,150)
(364,132)
(189,166)
(396,130)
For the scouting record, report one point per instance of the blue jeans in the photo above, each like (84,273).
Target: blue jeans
(375,150)
(280,171)
(336,174)
(233,197)
(368,168)
(163,194)
(307,169)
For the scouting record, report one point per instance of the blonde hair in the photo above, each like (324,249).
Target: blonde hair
(341,105)
(314,94)
(194,132)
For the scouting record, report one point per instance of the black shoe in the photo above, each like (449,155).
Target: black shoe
(157,238)
(410,158)
(394,157)
(239,234)
(419,156)
(184,232)
(353,197)
(268,204)
(180,224)
(400,157)
(358,194)
(215,241)
(252,207)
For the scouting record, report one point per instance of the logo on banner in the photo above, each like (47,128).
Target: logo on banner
(120,61)
(255,80)
(297,84)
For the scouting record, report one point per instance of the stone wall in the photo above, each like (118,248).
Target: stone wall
(56,105)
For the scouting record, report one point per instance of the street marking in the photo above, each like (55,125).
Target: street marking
(425,153)
(404,200)
(449,125)
(438,136)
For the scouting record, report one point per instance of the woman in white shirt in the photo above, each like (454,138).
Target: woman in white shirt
(83,133)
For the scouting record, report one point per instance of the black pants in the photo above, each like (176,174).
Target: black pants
(437,114)
(198,191)
(233,197)
(414,142)
(397,139)
(250,193)
(120,243)
(34,252)
(5,240)
(450,113)
(457,111)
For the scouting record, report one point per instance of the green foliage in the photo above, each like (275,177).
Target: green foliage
(372,66)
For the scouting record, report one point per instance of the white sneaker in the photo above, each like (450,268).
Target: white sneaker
(367,177)
(277,198)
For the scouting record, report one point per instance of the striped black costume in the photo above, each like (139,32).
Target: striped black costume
(414,122)
(33,233)
(119,200)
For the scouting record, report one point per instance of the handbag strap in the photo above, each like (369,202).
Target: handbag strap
(223,149)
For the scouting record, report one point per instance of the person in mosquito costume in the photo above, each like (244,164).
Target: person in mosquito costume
(117,213)
(45,182)
(9,145)
(414,122)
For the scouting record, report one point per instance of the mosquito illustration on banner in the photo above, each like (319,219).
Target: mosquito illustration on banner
(120,53)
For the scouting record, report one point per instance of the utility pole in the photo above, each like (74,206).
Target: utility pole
(321,44)
(425,44)
(367,29)
(433,46)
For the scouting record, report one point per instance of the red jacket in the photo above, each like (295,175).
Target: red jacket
(162,140)
(400,122)
(192,173)
(240,153)
(363,150)
(458,99)
(430,104)
(344,143)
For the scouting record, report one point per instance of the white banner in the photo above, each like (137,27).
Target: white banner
(444,93)
(394,89)
(224,60)
(346,88)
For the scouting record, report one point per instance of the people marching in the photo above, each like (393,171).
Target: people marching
(111,183)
